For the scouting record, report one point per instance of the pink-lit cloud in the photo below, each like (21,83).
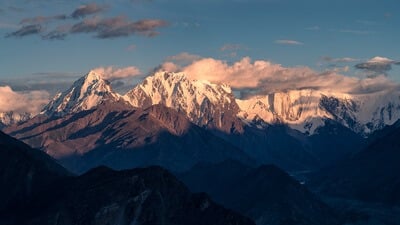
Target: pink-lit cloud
(262,77)
(24,101)
(114,73)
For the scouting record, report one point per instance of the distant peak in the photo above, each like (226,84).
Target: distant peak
(85,93)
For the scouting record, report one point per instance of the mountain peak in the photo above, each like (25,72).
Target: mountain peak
(85,93)
(93,75)
(204,103)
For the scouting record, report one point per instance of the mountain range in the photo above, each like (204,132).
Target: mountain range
(341,145)
(296,130)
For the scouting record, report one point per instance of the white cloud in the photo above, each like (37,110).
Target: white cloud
(169,66)
(113,73)
(313,28)
(288,42)
(26,101)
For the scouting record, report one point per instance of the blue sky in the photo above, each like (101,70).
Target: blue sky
(320,34)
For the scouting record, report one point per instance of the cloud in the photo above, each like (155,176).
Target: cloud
(112,73)
(288,42)
(103,28)
(42,19)
(26,30)
(339,60)
(168,66)
(88,9)
(28,101)
(118,27)
(52,82)
(183,58)
(377,66)
(263,77)
(60,33)
(54,35)
(358,32)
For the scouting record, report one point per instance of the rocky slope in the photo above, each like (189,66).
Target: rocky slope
(116,135)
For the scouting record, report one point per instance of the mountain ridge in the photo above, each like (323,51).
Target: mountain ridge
(215,106)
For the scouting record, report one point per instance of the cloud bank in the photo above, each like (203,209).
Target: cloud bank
(27,101)
(103,28)
(264,77)
(118,27)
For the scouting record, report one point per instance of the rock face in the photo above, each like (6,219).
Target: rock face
(371,175)
(116,135)
(36,190)
(266,194)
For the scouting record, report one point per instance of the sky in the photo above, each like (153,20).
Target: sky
(46,44)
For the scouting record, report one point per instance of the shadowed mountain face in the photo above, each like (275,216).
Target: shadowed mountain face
(266,194)
(371,175)
(333,142)
(118,136)
(36,190)
(24,171)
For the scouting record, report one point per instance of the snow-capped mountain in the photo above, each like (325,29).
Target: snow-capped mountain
(11,117)
(215,106)
(306,110)
(84,94)
(204,103)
